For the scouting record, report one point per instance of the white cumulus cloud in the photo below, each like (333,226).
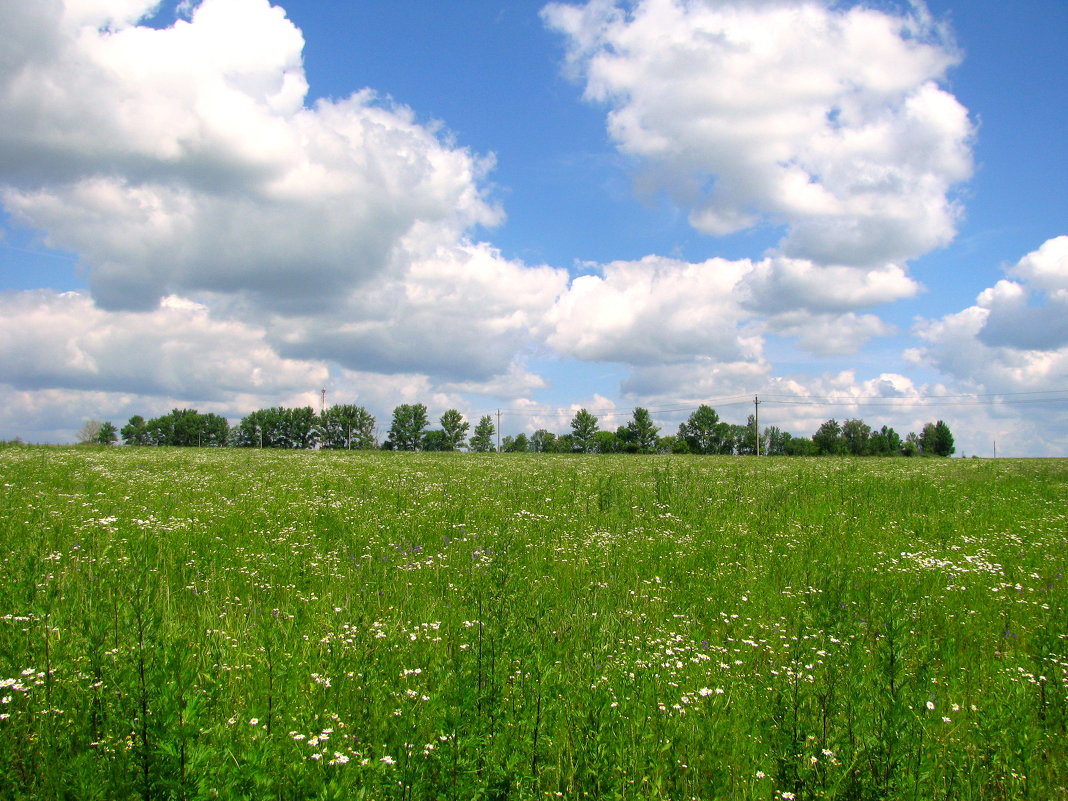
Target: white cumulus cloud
(828,120)
(175,351)
(1015,337)
(183,159)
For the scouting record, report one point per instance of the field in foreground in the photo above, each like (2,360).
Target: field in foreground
(250,624)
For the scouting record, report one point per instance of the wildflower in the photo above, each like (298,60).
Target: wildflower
(760,774)
(787,796)
(388,760)
(253,721)
(930,705)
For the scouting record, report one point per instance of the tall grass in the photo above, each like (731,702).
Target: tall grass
(251,624)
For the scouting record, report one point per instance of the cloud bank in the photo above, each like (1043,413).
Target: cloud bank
(244,246)
(828,121)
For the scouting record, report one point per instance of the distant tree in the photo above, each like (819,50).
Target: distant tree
(346,426)
(259,429)
(409,422)
(542,441)
(735,438)
(187,428)
(565,443)
(856,436)
(583,427)
(517,444)
(605,442)
(936,440)
(800,446)
(672,444)
(828,439)
(482,439)
(135,432)
(641,431)
(455,428)
(435,440)
(700,431)
(745,437)
(301,431)
(912,445)
(108,434)
(774,441)
(280,427)
(88,433)
(885,442)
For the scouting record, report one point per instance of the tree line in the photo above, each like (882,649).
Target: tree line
(347,426)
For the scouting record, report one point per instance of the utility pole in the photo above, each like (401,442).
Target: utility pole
(756,422)
(322,400)
(498,431)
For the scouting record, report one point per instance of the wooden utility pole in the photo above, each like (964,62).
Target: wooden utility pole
(498,431)
(756,422)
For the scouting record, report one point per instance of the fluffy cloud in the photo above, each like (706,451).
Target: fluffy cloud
(831,334)
(653,311)
(1010,340)
(827,120)
(182,162)
(176,351)
(183,159)
(659,312)
(461,313)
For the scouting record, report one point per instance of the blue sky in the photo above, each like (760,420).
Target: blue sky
(535,209)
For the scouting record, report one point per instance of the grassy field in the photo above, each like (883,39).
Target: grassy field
(254,624)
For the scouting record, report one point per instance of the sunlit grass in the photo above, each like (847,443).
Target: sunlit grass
(256,624)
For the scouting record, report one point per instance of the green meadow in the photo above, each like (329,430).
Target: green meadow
(246,624)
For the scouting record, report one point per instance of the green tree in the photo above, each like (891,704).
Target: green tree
(828,439)
(606,442)
(482,439)
(300,427)
(856,437)
(187,428)
(278,427)
(542,441)
(134,432)
(406,431)
(259,429)
(455,428)
(517,444)
(346,426)
(774,441)
(583,427)
(886,442)
(672,444)
(435,440)
(937,440)
(641,433)
(700,431)
(800,446)
(108,434)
